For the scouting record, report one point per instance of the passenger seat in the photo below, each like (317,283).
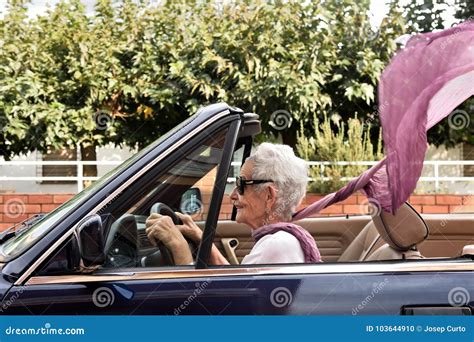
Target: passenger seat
(389,237)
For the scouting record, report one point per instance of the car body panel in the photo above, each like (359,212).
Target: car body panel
(214,292)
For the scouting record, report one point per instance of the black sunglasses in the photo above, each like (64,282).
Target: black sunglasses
(241,182)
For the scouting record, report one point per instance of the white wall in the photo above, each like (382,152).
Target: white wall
(441,153)
(103,154)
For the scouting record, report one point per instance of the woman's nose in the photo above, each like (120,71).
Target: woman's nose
(233,194)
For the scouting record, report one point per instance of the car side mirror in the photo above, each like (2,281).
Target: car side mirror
(66,261)
(191,201)
(91,241)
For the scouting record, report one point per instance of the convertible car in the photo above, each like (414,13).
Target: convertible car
(92,256)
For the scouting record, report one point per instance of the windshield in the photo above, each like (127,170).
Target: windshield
(26,238)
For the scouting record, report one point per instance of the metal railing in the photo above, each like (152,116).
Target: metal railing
(434,163)
(80,178)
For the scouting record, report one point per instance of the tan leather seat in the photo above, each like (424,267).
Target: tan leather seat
(389,237)
(364,243)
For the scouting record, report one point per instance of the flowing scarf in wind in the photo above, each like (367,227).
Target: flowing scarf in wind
(423,84)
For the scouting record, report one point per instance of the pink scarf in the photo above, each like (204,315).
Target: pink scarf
(415,93)
(308,245)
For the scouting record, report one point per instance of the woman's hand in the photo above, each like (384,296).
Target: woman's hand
(161,228)
(189,229)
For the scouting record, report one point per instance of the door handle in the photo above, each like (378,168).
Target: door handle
(436,310)
(230,244)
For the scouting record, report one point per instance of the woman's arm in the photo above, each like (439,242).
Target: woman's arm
(192,231)
(216,257)
(181,253)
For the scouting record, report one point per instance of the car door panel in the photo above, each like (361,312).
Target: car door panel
(345,293)
(448,235)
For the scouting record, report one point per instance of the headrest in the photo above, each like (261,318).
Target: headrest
(403,230)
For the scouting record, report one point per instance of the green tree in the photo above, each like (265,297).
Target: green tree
(337,141)
(134,69)
(426,15)
(464,10)
(48,81)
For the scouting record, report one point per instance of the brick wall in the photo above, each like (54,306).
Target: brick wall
(358,205)
(17,207)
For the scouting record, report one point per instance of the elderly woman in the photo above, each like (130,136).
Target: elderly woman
(271,185)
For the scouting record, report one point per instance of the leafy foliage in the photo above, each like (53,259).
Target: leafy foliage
(426,15)
(134,69)
(144,68)
(332,141)
(464,10)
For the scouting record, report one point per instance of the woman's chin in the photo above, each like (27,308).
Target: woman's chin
(239,218)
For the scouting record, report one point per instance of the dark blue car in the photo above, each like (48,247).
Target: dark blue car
(92,256)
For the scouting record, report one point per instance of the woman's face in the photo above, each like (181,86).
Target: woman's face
(251,205)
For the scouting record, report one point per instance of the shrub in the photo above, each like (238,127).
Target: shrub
(334,142)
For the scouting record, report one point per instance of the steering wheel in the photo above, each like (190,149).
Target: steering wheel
(121,245)
(164,257)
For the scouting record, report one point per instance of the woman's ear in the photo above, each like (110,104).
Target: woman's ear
(271,195)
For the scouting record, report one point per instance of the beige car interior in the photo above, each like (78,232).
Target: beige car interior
(388,237)
(407,235)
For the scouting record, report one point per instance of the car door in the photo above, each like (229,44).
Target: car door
(373,288)
(201,152)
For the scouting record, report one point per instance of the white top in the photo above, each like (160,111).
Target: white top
(278,248)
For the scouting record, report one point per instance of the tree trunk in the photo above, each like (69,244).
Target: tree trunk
(289,137)
(468,154)
(89,153)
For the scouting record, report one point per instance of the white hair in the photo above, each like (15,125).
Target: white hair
(288,172)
